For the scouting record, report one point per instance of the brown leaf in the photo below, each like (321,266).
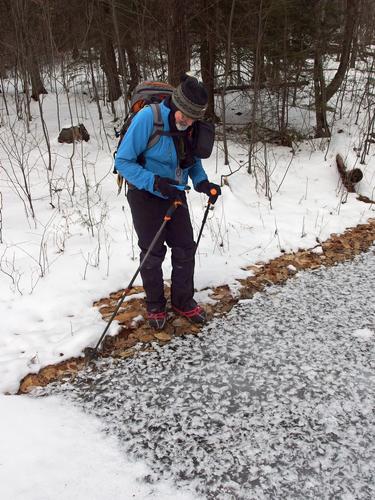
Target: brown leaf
(125,354)
(126,316)
(195,328)
(106,310)
(144,336)
(177,322)
(163,336)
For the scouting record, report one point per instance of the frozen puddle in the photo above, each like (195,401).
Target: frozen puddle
(274,401)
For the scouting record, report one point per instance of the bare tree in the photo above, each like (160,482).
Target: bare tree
(178,46)
(208,52)
(324,93)
(226,72)
(258,70)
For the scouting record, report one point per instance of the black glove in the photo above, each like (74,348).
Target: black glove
(209,188)
(167,187)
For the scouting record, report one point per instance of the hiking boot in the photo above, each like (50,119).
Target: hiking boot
(196,315)
(157,319)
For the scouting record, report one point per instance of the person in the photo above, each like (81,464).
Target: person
(153,176)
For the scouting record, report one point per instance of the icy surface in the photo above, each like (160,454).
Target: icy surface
(274,401)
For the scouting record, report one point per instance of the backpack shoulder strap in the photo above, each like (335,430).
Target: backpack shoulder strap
(158,125)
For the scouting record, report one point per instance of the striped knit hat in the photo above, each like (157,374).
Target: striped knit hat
(190,97)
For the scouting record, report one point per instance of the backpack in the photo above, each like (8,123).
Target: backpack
(146,93)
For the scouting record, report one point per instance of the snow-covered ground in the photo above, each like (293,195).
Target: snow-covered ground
(50,450)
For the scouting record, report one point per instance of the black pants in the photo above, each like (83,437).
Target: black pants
(148,212)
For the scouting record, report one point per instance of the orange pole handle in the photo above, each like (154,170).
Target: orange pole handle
(213,192)
(172,208)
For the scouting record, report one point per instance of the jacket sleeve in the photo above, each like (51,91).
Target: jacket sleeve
(197,173)
(134,144)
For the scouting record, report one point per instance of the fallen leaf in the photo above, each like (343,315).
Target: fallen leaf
(144,336)
(163,336)
(125,354)
(126,316)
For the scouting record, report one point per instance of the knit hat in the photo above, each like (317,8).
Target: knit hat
(190,97)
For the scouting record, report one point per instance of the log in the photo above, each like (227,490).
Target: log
(71,134)
(348,177)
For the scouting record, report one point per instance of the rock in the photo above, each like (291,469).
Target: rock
(291,269)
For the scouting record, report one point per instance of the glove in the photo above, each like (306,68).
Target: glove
(206,187)
(167,187)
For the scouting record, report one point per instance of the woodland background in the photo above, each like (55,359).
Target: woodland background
(248,45)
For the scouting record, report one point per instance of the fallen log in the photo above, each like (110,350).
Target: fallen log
(348,177)
(72,134)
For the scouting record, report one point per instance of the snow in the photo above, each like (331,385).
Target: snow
(52,450)
(364,334)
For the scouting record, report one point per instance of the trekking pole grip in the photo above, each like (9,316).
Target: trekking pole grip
(175,204)
(213,192)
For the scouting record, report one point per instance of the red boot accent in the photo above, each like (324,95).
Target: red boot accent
(157,320)
(196,315)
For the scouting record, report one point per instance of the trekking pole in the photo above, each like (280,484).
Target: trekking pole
(213,192)
(91,352)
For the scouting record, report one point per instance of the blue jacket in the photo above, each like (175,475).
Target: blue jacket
(160,159)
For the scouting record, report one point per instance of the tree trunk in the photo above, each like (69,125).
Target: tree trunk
(350,23)
(132,62)
(103,16)
(324,93)
(178,48)
(228,60)
(354,52)
(109,65)
(322,129)
(256,78)
(37,87)
(27,46)
(121,54)
(207,56)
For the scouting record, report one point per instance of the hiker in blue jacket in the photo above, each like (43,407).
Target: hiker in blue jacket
(152,175)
